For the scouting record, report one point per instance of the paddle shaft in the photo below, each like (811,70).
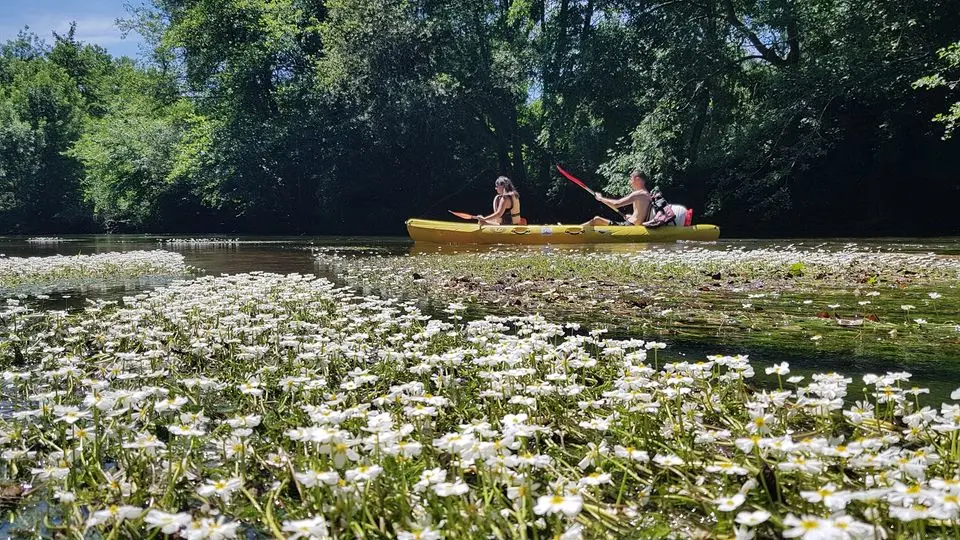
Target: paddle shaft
(580,183)
(463,215)
(470,217)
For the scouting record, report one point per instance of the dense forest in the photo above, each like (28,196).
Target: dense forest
(770,117)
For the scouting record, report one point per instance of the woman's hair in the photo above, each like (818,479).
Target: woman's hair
(506,184)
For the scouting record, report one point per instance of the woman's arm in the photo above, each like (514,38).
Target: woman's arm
(498,212)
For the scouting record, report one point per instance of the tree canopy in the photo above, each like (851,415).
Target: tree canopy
(348,116)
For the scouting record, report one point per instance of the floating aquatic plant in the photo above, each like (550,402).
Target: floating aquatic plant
(16,271)
(760,297)
(283,406)
(45,240)
(200,241)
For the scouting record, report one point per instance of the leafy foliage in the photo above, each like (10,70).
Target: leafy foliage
(40,117)
(769,117)
(951,57)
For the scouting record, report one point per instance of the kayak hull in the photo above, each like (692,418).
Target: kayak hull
(447,232)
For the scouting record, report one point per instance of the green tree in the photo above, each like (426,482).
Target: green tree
(130,157)
(41,114)
(763,112)
(950,57)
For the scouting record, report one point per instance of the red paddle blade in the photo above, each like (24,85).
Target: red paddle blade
(462,215)
(573,179)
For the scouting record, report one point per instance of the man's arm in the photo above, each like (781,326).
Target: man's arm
(625,201)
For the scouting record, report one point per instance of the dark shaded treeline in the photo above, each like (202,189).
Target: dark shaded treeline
(774,117)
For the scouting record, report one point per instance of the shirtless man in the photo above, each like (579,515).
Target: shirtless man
(639,198)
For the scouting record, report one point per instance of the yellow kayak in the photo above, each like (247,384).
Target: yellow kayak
(448,232)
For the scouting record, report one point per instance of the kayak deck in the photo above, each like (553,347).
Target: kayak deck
(447,232)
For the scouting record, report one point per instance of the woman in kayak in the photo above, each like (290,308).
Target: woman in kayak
(506,205)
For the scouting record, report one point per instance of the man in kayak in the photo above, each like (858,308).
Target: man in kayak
(506,205)
(639,198)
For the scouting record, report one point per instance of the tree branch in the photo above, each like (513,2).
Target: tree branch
(766,53)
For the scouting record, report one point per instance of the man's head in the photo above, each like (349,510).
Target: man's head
(638,179)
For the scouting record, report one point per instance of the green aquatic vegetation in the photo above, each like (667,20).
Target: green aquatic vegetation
(261,405)
(833,302)
(206,242)
(45,240)
(21,271)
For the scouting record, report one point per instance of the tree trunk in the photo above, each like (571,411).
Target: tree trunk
(519,167)
(587,23)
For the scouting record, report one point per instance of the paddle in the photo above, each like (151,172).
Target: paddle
(470,217)
(463,215)
(578,182)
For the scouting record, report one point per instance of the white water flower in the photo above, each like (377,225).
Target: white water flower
(668,460)
(170,404)
(569,505)
(752,519)
(187,430)
(222,488)
(448,489)
(726,467)
(251,388)
(729,504)
(827,495)
(314,477)
(218,529)
(145,441)
(364,473)
(166,522)
(809,528)
(631,453)
(114,512)
(782,368)
(249,421)
(312,529)
(426,533)
(596,478)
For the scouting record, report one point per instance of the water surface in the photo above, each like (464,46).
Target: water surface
(296,254)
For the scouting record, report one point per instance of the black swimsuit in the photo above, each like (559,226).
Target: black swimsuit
(507,217)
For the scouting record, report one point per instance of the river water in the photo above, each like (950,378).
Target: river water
(296,254)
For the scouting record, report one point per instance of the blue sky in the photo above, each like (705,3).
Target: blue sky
(95,22)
